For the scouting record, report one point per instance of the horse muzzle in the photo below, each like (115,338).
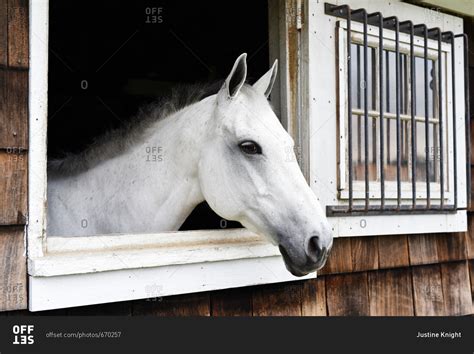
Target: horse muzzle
(312,262)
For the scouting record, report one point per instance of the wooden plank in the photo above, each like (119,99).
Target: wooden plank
(451,247)
(13,188)
(3,108)
(428,290)
(393,251)
(13,109)
(456,288)
(313,297)
(340,258)
(13,277)
(423,249)
(232,302)
(3,33)
(365,254)
(347,294)
(116,309)
(470,236)
(471,276)
(196,304)
(283,299)
(18,33)
(58,312)
(471,207)
(390,293)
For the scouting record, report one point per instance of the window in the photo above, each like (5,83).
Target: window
(83,270)
(420,158)
(401,156)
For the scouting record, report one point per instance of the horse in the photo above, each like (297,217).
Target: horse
(228,149)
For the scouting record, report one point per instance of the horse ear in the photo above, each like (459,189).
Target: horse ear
(237,76)
(265,84)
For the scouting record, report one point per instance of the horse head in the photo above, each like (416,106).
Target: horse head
(248,172)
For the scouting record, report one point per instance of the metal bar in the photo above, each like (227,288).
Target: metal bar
(381,108)
(387,78)
(427,114)
(412,109)
(453,100)
(402,89)
(397,108)
(373,122)
(440,114)
(338,11)
(366,116)
(349,104)
(359,104)
(393,20)
(359,210)
(467,117)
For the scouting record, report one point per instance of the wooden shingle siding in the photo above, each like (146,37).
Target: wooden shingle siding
(13,187)
(13,289)
(428,291)
(451,247)
(277,300)
(115,308)
(340,259)
(3,33)
(423,249)
(470,237)
(347,294)
(13,152)
(14,111)
(456,288)
(313,302)
(232,302)
(390,293)
(182,305)
(386,252)
(393,251)
(364,253)
(471,275)
(18,34)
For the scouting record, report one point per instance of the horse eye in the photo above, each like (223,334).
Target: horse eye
(250,148)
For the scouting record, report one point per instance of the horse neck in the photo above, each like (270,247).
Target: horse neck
(166,165)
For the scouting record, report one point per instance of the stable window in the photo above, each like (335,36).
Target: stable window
(413,129)
(399,118)
(91,90)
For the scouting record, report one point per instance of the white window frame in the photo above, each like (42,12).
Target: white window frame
(75,271)
(324,119)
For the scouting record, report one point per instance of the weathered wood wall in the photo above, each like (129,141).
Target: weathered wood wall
(390,275)
(13,151)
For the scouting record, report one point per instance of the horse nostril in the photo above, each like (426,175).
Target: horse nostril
(313,249)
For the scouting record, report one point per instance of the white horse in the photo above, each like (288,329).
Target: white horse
(228,149)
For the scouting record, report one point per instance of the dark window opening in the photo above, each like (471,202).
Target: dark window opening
(109,58)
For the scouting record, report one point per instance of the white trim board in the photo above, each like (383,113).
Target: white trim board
(47,293)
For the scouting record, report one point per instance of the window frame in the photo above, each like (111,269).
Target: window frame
(324,104)
(75,271)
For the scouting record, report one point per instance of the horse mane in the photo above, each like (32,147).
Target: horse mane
(115,142)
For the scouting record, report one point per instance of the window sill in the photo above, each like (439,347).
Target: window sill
(79,255)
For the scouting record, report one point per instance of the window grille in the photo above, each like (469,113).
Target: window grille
(399,123)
